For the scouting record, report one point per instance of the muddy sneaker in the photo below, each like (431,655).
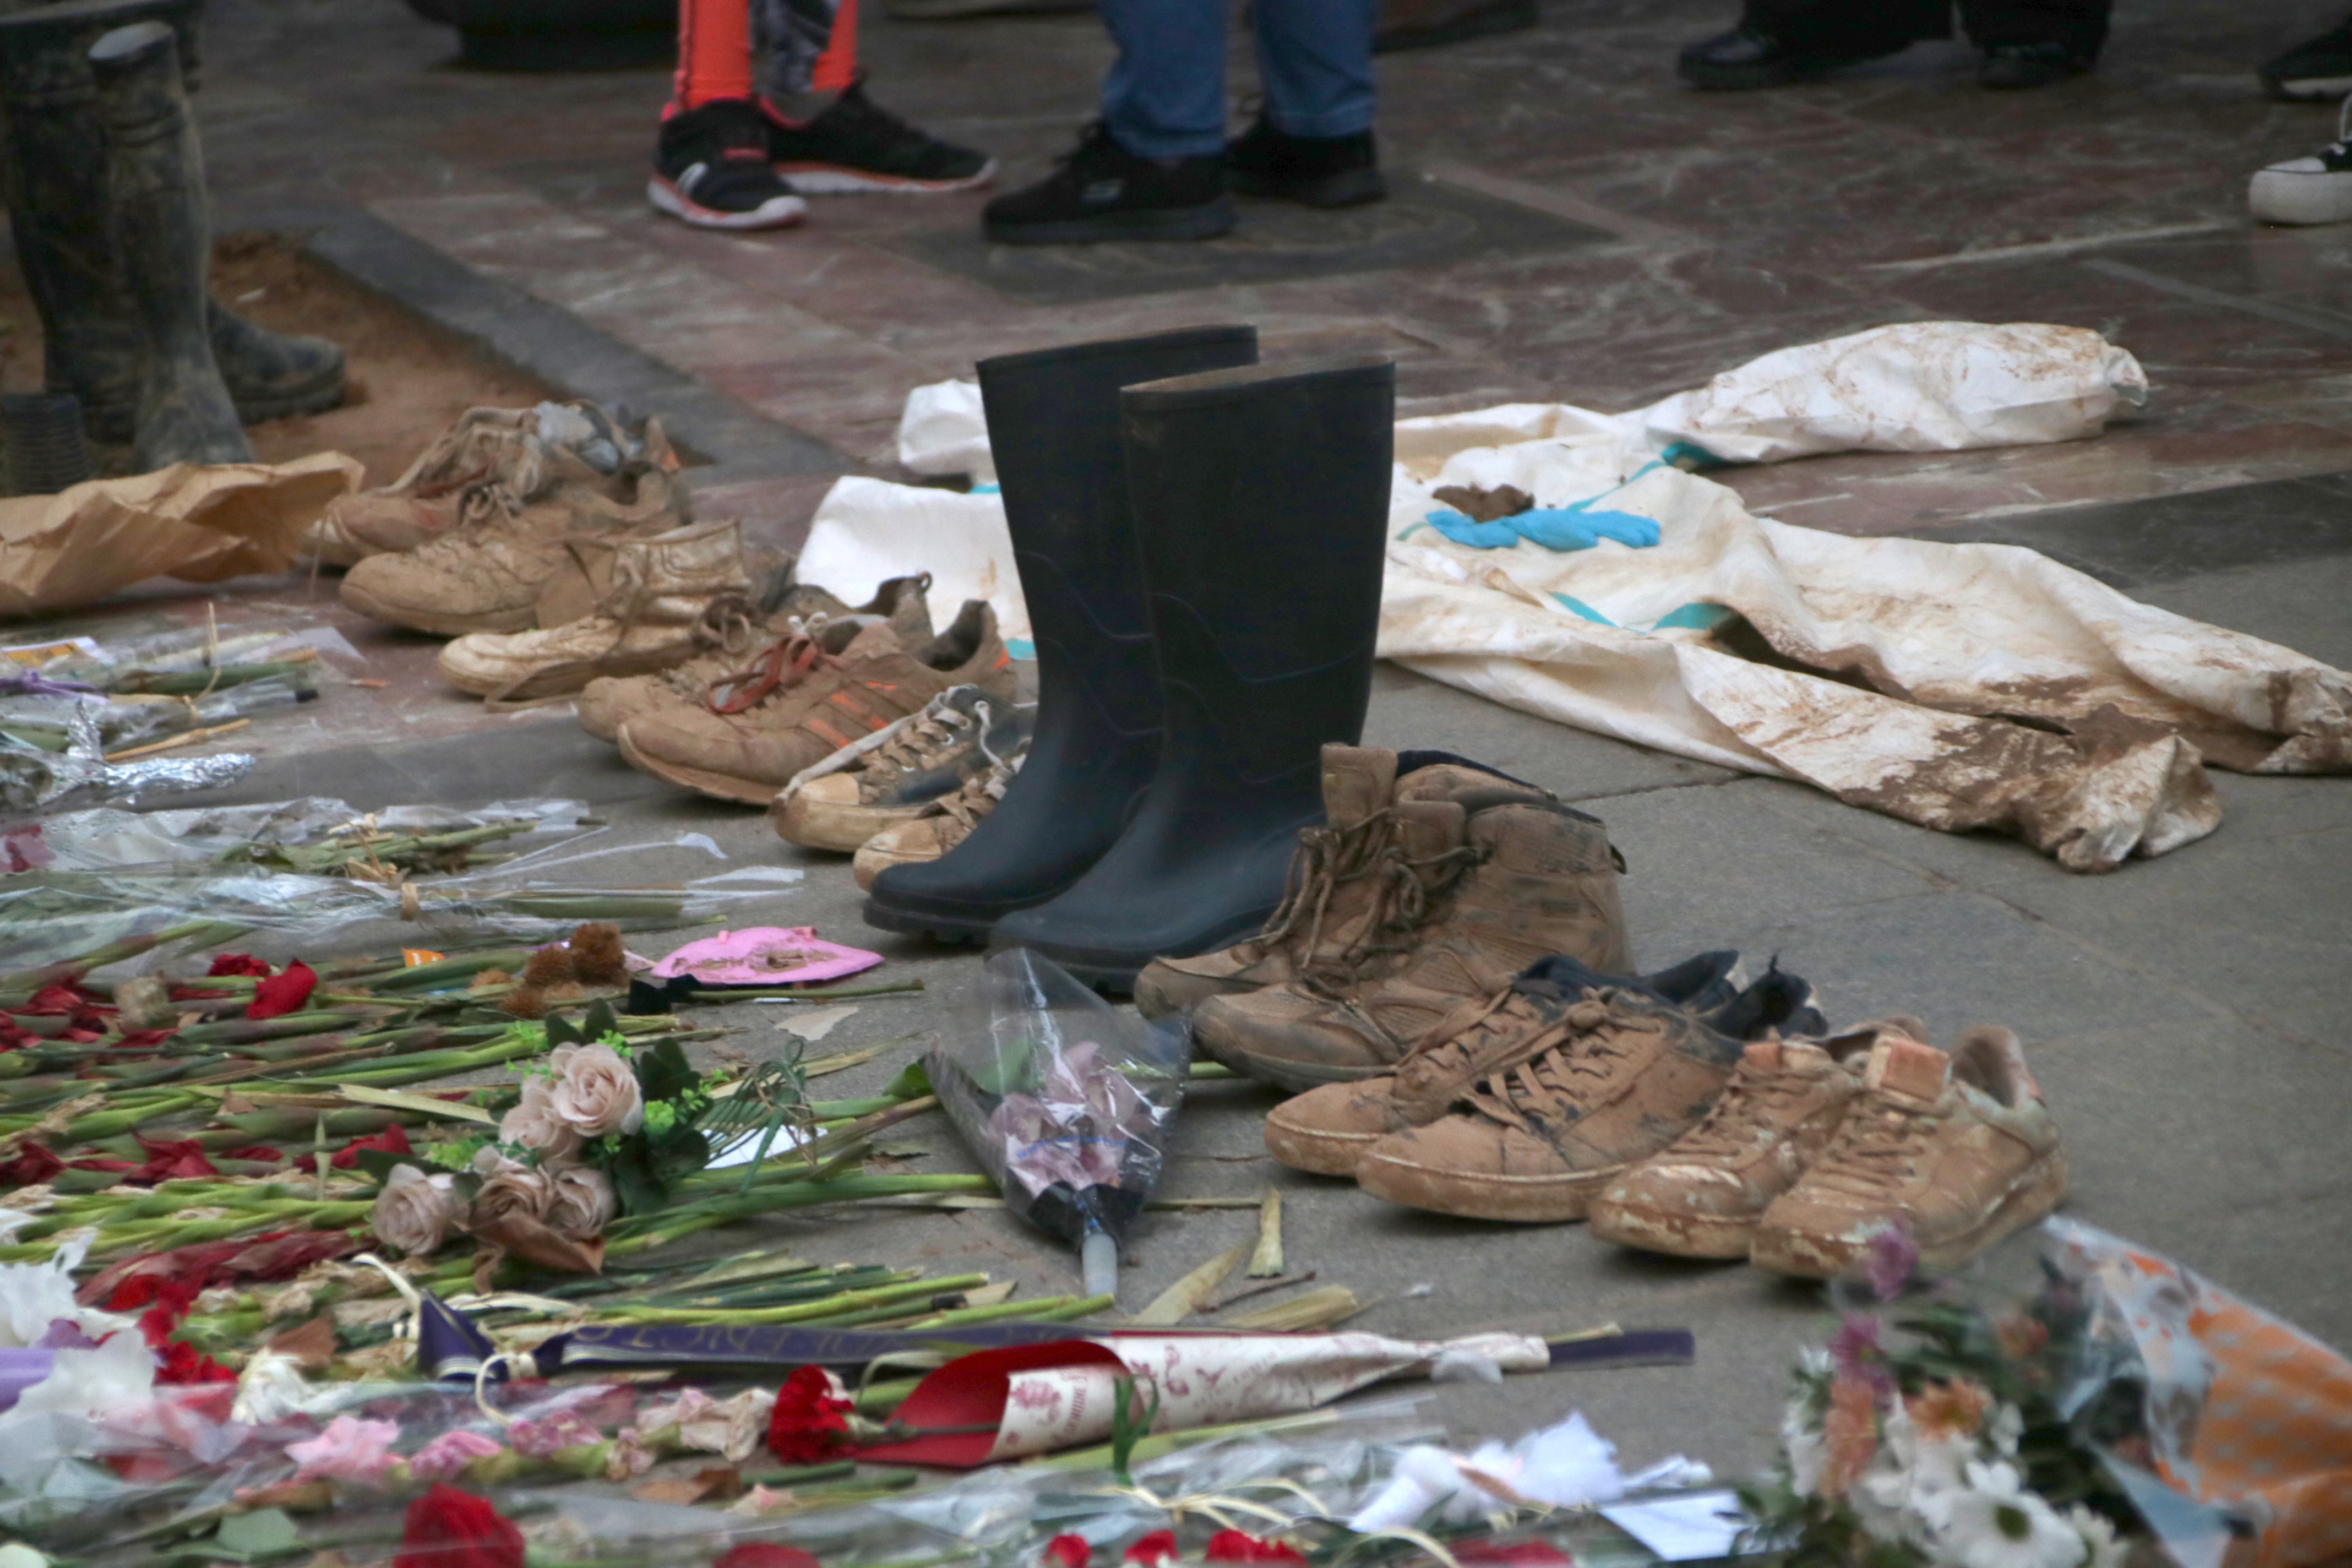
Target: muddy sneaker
(1701,1195)
(1544,1125)
(894,774)
(944,823)
(1957,1150)
(857,145)
(1540,879)
(745,743)
(663,600)
(607,703)
(711,169)
(1327,1129)
(491,460)
(1346,892)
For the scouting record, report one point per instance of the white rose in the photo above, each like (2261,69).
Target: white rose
(536,1125)
(414,1211)
(597,1091)
(582,1204)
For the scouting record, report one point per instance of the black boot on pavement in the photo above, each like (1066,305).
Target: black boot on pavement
(1748,57)
(2029,65)
(1314,171)
(1103,192)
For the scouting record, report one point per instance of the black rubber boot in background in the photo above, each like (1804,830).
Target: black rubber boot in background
(53,179)
(1054,430)
(1261,498)
(155,178)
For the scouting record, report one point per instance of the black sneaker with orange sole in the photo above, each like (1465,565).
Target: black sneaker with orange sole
(856,146)
(711,169)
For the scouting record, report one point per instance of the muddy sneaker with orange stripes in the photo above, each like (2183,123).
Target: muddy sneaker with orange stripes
(1958,1151)
(607,703)
(1547,1121)
(894,774)
(1701,1195)
(1529,881)
(1346,895)
(1327,1129)
(944,823)
(747,743)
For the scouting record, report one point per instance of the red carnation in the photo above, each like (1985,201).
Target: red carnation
(1511,1554)
(283,994)
(812,1420)
(238,963)
(764,1555)
(1233,1546)
(392,1139)
(34,1163)
(1152,1550)
(1067,1551)
(183,1362)
(449,1529)
(171,1160)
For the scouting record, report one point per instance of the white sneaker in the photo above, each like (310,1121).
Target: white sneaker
(2317,189)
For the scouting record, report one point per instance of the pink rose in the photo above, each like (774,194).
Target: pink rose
(516,1190)
(628,1457)
(415,1212)
(446,1457)
(564,1429)
(347,1450)
(595,1091)
(535,1124)
(581,1204)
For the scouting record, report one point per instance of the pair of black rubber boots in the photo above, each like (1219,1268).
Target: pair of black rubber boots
(1200,542)
(105,188)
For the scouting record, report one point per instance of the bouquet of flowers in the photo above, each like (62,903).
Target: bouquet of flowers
(1940,1432)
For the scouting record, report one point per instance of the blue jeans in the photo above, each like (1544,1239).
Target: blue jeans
(1165,96)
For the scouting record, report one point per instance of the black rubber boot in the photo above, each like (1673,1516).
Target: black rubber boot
(54,180)
(1261,499)
(1054,427)
(155,179)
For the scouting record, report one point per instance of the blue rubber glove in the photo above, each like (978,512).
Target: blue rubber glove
(1555,528)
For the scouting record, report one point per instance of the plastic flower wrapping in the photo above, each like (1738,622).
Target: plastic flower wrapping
(2127,1399)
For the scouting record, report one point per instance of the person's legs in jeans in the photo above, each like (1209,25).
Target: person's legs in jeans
(1165,94)
(1313,141)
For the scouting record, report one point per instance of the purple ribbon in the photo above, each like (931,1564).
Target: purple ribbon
(31,685)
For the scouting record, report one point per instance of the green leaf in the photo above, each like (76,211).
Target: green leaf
(663,1072)
(597,1021)
(380,1163)
(913,1082)
(264,1532)
(560,1032)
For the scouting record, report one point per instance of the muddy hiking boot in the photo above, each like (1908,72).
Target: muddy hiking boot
(1535,1124)
(64,223)
(491,460)
(797,703)
(1957,1150)
(510,563)
(1702,1195)
(1327,1129)
(898,606)
(1510,882)
(1356,897)
(895,773)
(657,602)
(942,825)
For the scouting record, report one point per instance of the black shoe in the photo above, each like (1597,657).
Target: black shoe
(2029,65)
(2319,71)
(1429,23)
(711,170)
(859,145)
(1748,57)
(1315,171)
(1103,192)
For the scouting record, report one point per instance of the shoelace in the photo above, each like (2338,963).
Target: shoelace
(965,805)
(1750,1101)
(1508,1016)
(1326,858)
(1562,1076)
(1410,893)
(1876,1147)
(925,743)
(783,663)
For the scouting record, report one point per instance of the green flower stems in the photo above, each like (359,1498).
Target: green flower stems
(1043,1309)
(807,1310)
(25,981)
(648,1231)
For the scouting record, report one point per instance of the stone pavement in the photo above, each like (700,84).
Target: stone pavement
(2186,1015)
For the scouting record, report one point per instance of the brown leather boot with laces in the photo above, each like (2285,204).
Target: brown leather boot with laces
(1959,1151)
(1342,879)
(1549,1122)
(1519,882)
(1701,1195)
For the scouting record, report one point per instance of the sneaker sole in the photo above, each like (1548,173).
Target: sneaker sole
(439,626)
(1778,73)
(1206,222)
(558,678)
(823,824)
(840,180)
(2310,88)
(1284,1073)
(703,781)
(954,931)
(2032,1197)
(1314,1149)
(777,212)
(2300,199)
(1352,188)
(1675,1234)
(1517,1200)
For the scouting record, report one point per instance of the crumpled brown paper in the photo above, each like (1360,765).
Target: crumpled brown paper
(203,523)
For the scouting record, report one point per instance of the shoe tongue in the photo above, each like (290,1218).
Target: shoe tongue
(1357,782)
(1428,828)
(1907,1072)
(1764,1055)
(869,642)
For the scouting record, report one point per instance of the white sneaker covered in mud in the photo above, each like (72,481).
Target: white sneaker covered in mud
(2317,189)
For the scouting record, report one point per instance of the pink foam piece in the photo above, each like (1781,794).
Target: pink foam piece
(765,955)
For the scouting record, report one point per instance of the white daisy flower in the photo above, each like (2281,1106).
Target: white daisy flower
(1994,1523)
